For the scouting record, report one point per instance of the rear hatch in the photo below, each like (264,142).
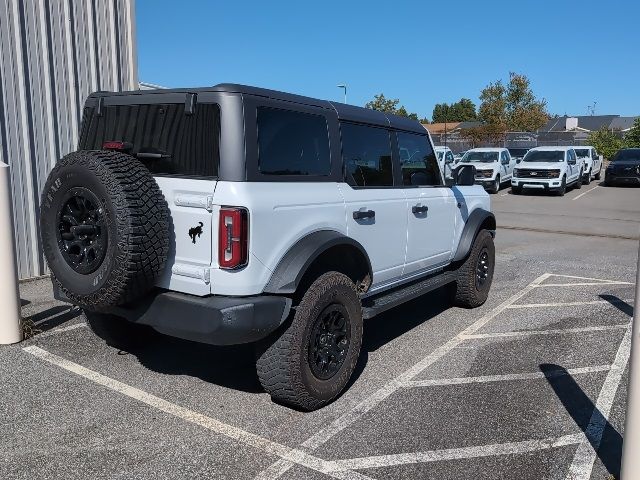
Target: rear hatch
(177,139)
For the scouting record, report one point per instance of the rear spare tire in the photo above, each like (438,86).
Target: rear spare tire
(105,228)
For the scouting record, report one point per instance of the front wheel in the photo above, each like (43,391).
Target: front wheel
(579,181)
(587,178)
(563,187)
(495,188)
(309,360)
(476,273)
(516,190)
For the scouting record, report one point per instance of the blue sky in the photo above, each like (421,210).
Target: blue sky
(421,52)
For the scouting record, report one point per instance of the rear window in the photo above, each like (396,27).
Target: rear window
(292,143)
(184,145)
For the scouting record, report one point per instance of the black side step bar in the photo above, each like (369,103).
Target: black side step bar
(372,306)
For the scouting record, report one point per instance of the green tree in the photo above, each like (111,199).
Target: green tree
(632,137)
(524,112)
(388,105)
(493,106)
(605,142)
(460,111)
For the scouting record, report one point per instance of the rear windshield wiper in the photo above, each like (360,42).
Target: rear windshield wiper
(151,155)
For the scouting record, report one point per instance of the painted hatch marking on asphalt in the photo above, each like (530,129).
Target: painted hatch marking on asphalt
(580,467)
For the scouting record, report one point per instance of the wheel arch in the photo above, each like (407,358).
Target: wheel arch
(317,253)
(479,219)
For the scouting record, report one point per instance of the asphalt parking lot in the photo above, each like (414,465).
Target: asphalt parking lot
(531,385)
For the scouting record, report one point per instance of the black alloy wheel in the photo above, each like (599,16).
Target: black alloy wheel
(82,231)
(329,342)
(482,268)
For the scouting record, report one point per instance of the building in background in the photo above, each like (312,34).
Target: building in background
(52,55)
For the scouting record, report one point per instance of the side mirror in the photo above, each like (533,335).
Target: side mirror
(571,162)
(464,175)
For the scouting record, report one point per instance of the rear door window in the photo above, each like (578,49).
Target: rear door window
(418,165)
(366,153)
(292,143)
(162,136)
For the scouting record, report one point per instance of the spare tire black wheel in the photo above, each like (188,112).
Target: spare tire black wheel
(105,228)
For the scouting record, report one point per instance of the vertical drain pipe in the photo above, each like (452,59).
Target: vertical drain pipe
(631,444)
(10,324)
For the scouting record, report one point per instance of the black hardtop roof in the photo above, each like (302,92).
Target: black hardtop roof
(344,111)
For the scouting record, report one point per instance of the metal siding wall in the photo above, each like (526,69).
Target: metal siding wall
(53,53)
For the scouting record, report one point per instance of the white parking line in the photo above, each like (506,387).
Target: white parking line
(613,301)
(600,280)
(558,331)
(281,466)
(62,329)
(291,455)
(439,382)
(582,284)
(584,193)
(585,455)
(458,453)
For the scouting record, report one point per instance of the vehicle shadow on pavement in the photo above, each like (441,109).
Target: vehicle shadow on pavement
(53,317)
(394,323)
(582,409)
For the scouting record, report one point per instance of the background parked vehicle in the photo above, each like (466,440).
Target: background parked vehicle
(494,166)
(592,162)
(551,169)
(518,153)
(624,168)
(446,160)
(457,157)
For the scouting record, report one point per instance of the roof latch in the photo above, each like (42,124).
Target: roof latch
(190,103)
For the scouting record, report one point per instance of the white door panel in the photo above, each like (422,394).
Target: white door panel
(384,235)
(431,226)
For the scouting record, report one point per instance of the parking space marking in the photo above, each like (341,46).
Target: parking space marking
(439,382)
(585,455)
(458,453)
(62,329)
(613,301)
(584,193)
(292,455)
(281,466)
(555,331)
(582,284)
(599,280)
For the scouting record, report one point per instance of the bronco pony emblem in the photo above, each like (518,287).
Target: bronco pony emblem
(195,231)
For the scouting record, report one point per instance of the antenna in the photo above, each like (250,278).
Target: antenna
(593,110)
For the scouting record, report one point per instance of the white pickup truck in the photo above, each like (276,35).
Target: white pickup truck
(592,163)
(551,169)
(494,166)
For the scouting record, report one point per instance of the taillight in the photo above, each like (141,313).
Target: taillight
(233,237)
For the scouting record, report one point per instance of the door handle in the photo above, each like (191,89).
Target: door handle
(419,209)
(361,214)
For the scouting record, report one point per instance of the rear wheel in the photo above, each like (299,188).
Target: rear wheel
(309,360)
(587,178)
(476,273)
(597,177)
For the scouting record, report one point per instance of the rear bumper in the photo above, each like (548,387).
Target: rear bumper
(214,319)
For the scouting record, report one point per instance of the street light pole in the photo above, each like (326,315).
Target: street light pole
(630,458)
(344,87)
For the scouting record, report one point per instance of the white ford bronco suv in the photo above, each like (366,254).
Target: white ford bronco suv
(234,214)
(551,169)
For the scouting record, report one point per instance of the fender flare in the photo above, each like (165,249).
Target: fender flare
(289,272)
(471,228)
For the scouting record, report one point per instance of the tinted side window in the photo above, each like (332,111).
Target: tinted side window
(449,157)
(366,153)
(292,143)
(420,166)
